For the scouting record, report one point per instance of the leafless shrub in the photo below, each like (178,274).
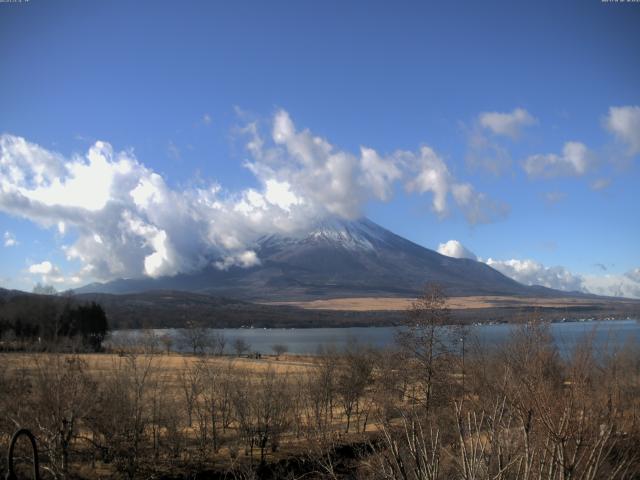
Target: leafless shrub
(409,452)
(200,340)
(62,398)
(262,411)
(120,420)
(354,375)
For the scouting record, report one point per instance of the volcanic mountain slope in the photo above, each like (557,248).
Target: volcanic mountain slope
(336,258)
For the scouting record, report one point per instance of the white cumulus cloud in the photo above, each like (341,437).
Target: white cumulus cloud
(624,124)
(575,160)
(612,285)
(314,172)
(431,175)
(47,271)
(245,259)
(455,249)
(427,172)
(43,268)
(485,138)
(530,272)
(127,220)
(509,124)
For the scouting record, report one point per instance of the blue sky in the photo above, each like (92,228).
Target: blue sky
(524,117)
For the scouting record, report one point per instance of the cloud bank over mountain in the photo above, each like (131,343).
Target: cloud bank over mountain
(117,217)
(120,218)
(531,272)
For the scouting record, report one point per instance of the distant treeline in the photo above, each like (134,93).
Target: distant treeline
(175,309)
(170,309)
(48,320)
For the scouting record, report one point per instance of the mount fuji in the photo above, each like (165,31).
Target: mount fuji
(335,258)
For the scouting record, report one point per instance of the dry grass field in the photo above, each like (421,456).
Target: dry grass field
(361,304)
(176,397)
(168,366)
(354,414)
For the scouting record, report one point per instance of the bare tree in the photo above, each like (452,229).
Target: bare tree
(262,410)
(320,387)
(426,340)
(122,413)
(213,397)
(190,385)
(353,377)
(271,408)
(196,337)
(167,342)
(62,398)
(241,346)
(149,341)
(219,343)
(279,349)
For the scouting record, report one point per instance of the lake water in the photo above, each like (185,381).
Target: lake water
(609,334)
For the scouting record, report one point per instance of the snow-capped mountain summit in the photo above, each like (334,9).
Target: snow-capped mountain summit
(359,257)
(350,235)
(360,234)
(334,258)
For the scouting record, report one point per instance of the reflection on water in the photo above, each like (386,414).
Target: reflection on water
(607,335)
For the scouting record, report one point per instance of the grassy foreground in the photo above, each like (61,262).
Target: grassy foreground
(417,412)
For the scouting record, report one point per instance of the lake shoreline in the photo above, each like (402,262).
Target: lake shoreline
(307,341)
